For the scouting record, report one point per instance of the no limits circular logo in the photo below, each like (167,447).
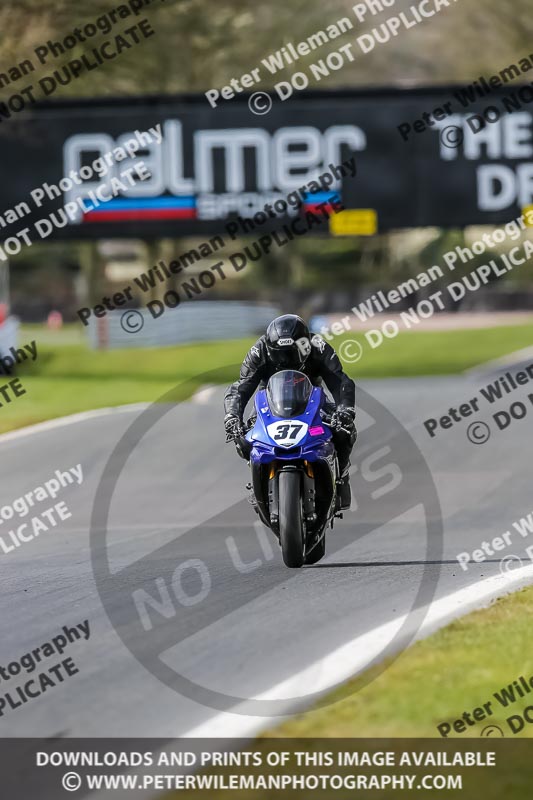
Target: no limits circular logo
(179,591)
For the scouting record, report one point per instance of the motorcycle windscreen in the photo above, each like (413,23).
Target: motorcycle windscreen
(288,393)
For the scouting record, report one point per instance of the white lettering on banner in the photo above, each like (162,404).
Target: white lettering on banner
(239,170)
(284,161)
(498,186)
(233,142)
(501,187)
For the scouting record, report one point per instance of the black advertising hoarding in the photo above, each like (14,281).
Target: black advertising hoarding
(214,164)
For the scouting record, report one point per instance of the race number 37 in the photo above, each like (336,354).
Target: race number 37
(287,433)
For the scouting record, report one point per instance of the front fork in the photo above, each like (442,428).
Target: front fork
(309,504)
(308,494)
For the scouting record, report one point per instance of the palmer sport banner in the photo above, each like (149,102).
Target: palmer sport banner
(178,167)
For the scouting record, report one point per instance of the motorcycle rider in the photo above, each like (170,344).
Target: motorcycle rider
(288,344)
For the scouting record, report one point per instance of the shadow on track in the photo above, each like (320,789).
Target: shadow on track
(386,564)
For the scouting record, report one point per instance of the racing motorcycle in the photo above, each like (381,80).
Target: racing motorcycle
(295,471)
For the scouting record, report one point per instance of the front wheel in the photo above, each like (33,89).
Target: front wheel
(318,552)
(290,519)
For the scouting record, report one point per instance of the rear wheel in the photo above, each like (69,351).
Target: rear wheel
(290,519)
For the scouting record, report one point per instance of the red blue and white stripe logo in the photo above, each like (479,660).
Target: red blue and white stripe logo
(313,200)
(142,208)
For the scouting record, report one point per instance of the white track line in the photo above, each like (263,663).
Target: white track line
(72,419)
(517,357)
(347,661)
(353,657)
(202,396)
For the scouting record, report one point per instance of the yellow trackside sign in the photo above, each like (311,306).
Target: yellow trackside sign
(354,222)
(527,213)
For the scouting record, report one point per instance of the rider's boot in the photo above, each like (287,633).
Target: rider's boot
(345,492)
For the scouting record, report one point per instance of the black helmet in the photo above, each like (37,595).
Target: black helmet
(287,341)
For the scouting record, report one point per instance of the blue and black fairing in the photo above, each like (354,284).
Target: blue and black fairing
(315,445)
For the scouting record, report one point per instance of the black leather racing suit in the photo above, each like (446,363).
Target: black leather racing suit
(322,365)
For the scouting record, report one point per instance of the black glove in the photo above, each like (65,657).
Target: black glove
(343,417)
(233,427)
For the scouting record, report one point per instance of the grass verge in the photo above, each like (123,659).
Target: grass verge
(455,670)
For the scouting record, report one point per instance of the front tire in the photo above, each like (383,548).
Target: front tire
(317,553)
(290,519)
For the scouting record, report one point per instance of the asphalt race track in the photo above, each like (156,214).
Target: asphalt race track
(232,622)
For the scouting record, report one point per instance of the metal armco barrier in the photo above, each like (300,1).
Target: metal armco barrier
(191,322)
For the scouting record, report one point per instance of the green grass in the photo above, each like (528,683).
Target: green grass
(455,670)
(69,377)
(437,352)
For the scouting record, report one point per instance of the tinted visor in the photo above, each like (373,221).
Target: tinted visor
(287,357)
(288,393)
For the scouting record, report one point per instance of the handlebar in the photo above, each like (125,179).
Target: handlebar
(235,436)
(327,418)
